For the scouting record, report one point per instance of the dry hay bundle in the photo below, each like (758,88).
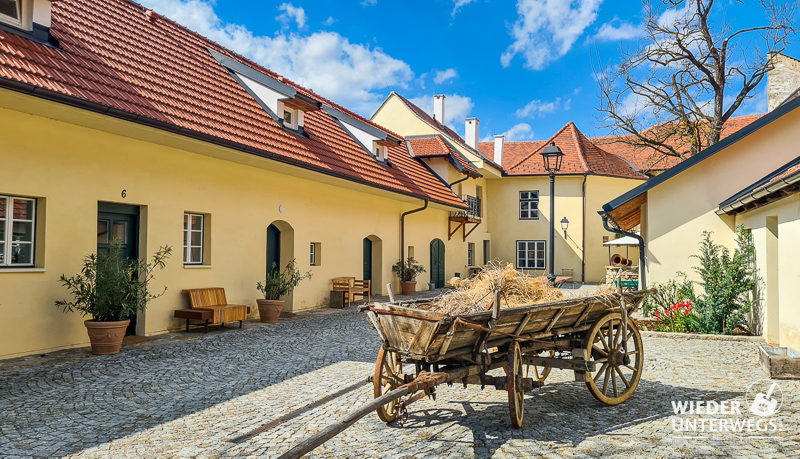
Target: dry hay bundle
(477,294)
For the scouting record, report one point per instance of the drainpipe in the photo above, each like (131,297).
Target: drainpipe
(642,265)
(403,229)
(457,182)
(583,230)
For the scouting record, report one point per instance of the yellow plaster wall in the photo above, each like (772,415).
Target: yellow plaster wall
(779,268)
(680,209)
(70,168)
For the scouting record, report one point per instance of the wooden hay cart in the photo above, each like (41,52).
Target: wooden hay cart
(592,336)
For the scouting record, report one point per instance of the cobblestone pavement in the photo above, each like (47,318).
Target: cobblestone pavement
(201,397)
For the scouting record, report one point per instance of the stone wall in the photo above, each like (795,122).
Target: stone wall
(623,272)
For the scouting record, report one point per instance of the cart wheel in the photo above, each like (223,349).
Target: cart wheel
(516,399)
(388,377)
(538,373)
(619,373)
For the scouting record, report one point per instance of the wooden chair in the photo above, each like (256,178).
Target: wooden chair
(352,286)
(213,299)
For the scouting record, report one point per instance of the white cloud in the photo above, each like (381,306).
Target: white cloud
(457,4)
(577,90)
(547,29)
(329,21)
(351,74)
(518,132)
(616,30)
(369,3)
(443,76)
(568,104)
(456,108)
(539,108)
(292,13)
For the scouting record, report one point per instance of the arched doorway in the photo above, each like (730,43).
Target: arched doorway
(372,262)
(280,250)
(437,263)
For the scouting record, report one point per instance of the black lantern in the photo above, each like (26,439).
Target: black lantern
(564,226)
(552,156)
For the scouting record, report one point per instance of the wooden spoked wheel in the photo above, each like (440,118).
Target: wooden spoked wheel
(516,393)
(388,377)
(539,373)
(617,373)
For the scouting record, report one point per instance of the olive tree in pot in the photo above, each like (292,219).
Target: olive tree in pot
(407,271)
(111,289)
(277,284)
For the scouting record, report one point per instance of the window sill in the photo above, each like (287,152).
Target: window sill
(22,270)
(197,266)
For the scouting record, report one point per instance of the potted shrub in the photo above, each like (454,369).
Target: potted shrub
(407,271)
(277,284)
(111,289)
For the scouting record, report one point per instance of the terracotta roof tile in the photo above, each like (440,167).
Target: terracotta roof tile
(581,156)
(436,146)
(111,54)
(645,159)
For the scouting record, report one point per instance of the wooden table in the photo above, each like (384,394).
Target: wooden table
(194,314)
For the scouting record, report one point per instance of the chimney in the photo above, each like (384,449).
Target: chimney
(438,108)
(471,134)
(783,80)
(498,148)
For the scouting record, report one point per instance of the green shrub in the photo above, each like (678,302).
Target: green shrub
(408,271)
(669,294)
(281,283)
(111,287)
(728,282)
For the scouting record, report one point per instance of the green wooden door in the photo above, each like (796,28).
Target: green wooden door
(367,271)
(273,248)
(437,263)
(120,222)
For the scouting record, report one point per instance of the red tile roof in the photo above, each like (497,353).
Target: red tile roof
(646,159)
(424,116)
(436,146)
(113,59)
(580,156)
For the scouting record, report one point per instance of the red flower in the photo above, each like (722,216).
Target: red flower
(656,313)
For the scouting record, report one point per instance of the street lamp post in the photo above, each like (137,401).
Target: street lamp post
(552,156)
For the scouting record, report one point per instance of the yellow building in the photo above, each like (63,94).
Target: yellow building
(157,136)
(517,197)
(748,179)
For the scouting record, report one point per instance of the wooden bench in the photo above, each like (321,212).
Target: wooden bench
(194,314)
(352,286)
(213,299)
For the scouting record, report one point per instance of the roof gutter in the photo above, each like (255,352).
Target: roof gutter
(642,263)
(403,229)
(735,206)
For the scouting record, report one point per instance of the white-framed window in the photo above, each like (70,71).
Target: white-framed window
(290,116)
(528,205)
(470,254)
(17,231)
(15,13)
(530,255)
(315,252)
(193,226)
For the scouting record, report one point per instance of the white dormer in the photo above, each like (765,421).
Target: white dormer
(375,141)
(281,101)
(24,14)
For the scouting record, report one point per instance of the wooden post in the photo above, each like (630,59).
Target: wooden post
(391,293)
(580,354)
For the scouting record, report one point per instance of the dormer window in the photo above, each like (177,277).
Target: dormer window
(15,13)
(291,118)
(381,152)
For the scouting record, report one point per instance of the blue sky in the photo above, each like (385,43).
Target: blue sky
(524,68)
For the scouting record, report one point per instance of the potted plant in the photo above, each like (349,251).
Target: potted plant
(276,285)
(111,289)
(407,271)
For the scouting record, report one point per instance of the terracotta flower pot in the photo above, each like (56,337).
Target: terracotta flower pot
(106,337)
(270,310)
(408,287)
